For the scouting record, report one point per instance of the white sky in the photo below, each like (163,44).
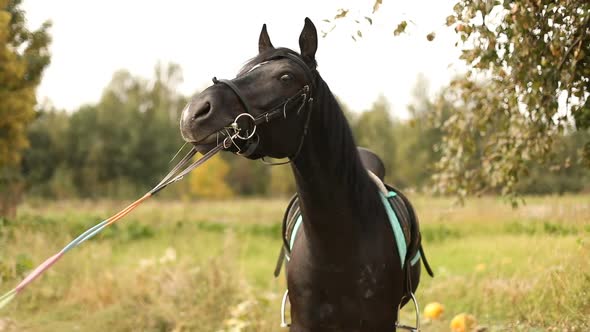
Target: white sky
(93,39)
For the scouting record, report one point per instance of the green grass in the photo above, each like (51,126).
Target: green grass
(207,265)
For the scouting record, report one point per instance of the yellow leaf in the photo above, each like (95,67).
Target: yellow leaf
(209,180)
(341,13)
(376,5)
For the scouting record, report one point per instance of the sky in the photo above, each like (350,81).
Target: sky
(93,39)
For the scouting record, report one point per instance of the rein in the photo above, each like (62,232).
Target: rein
(183,167)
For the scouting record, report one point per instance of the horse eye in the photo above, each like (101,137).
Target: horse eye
(286,77)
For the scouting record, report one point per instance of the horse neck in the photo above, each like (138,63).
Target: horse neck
(333,186)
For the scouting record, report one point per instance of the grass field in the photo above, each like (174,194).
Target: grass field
(207,266)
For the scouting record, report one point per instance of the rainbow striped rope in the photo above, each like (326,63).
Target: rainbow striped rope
(174,175)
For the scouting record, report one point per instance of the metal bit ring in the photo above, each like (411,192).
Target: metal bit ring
(238,130)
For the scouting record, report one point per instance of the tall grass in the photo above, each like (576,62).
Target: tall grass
(207,265)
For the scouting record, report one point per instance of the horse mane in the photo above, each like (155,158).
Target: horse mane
(345,153)
(344,150)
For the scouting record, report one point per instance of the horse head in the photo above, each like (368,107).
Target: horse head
(265,108)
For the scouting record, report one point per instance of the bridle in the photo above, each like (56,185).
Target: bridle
(247,132)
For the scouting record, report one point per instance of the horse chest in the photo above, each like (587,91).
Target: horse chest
(346,295)
(333,301)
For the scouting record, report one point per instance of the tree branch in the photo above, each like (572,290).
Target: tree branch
(585,26)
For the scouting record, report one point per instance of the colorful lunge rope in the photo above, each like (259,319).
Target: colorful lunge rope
(175,174)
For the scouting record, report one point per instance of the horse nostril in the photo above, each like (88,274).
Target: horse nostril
(202,111)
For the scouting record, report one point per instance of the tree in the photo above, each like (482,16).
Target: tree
(209,180)
(373,129)
(119,147)
(24,55)
(282,182)
(564,174)
(247,178)
(418,140)
(47,154)
(528,79)
(523,56)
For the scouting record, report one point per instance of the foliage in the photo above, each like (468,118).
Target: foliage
(24,55)
(122,145)
(282,182)
(562,174)
(130,135)
(119,147)
(528,80)
(209,180)
(418,141)
(41,162)
(373,129)
(246,177)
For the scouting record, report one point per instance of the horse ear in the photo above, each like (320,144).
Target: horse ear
(264,40)
(308,41)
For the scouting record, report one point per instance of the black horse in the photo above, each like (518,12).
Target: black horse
(345,272)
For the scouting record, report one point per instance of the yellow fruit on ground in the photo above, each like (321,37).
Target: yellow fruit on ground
(433,310)
(463,323)
(480,267)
